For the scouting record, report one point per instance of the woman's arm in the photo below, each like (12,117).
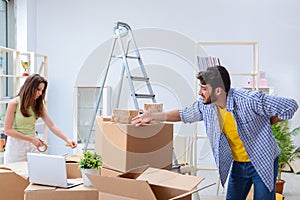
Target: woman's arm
(8,125)
(55,129)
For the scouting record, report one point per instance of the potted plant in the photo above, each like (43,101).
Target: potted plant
(288,150)
(89,163)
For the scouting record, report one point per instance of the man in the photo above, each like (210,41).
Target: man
(238,125)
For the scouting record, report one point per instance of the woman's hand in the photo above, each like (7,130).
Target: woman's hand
(37,142)
(142,119)
(71,143)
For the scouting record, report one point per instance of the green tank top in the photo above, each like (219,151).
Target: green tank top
(24,125)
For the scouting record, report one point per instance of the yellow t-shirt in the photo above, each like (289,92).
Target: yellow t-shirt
(24,125)
(228,126)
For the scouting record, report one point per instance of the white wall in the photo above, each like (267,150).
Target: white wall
(69,31)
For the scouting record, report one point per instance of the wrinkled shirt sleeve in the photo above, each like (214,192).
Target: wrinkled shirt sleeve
(283,108)
(191,113)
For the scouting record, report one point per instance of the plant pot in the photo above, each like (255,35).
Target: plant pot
(86,180)
(279,186)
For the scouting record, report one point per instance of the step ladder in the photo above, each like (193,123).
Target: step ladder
(128,50)
(126,41)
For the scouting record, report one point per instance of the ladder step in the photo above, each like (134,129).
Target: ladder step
(149,96)
(136,78)
(133,57)
(121,57)
(113,56)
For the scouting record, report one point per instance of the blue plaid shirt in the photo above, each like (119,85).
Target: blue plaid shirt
(252,111)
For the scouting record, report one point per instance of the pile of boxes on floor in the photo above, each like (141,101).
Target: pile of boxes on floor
(135,166)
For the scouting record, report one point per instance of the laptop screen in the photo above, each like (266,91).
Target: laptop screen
(47,169)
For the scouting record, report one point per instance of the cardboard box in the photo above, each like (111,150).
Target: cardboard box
(72,166)
(124,146)
(147,184)
(72,170)
(80,192)
(14,179)
(153,107)
(123,116)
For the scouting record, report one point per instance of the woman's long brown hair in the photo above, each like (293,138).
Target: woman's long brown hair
(27,94)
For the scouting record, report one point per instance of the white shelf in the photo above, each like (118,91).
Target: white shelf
(252,72)
(12,76)
(4,101)
(38,64)
(267,90)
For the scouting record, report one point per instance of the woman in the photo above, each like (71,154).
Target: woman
(21,116)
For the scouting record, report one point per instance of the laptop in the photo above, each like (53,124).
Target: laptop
(50,170)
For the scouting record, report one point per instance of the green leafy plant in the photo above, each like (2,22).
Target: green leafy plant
(288,150)
(90,161)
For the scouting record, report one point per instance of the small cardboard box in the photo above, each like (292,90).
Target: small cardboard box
(14,179)
(72,166)
(153,107)
(147,184)
(125,146)
(123,116)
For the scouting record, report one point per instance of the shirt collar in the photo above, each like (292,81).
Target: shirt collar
(229,101)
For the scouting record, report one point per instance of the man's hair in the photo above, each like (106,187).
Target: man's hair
(216,76)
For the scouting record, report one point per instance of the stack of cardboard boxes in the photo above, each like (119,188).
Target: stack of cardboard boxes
(135,163)
(136,160)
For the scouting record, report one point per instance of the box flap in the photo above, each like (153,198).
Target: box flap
(169,179)
(109,172)
(20,168)
(12,185)
(135,172)
(74,158)
(191,192)
(122,187)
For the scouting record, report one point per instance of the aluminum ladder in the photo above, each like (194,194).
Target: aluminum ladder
(128,50)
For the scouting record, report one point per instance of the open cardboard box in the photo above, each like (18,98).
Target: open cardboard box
(148,184)
(124,146)
(14,179)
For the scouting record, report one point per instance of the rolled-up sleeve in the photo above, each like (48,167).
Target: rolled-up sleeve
(191,113)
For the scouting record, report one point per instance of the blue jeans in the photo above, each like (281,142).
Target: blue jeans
(242,176)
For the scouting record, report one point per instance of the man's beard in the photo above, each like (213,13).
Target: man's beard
(211,99)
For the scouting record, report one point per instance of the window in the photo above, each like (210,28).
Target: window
(7,39)
(3,22)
